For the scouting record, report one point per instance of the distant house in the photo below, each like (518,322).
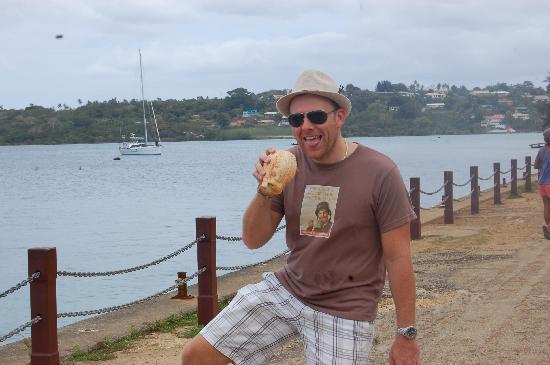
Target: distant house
(495,121)
(237,123)
(435,105)
(489,93)
(270,114)
(266,122)
(434,95)
(541,99)
(480,93)
(249,113)
(393,108)
(521,116)
(506,101)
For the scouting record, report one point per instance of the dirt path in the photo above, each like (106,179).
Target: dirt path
(483,294)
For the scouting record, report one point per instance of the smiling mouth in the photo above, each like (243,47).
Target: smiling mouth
(312,141)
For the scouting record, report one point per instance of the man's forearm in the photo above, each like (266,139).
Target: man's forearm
(403,289)
(259,222)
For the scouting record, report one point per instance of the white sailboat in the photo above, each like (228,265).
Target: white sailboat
(140,145)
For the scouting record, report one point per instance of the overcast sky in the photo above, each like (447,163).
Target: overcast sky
(207,47)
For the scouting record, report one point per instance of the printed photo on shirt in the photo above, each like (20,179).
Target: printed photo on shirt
(318,210)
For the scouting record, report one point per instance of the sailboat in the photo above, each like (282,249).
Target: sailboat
(140,145)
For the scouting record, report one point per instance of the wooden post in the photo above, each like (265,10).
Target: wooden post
(474,188)
(448,181)
(182,288)
(514,178)
(528,174)
(44,349)
(207,299)
(416,233)
(496,188)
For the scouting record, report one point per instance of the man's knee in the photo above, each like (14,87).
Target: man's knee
(199,351)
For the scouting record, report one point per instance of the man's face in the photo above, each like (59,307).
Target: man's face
(324,216)
(317,141)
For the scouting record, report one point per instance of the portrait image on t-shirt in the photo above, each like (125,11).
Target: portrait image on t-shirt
(318,210)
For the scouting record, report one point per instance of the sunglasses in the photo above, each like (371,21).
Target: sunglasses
(315,117)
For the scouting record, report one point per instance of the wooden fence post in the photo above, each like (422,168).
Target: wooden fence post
(448,181)
(496,187)
(416,229)
(528,174)
(207,299)
(514,178)
(182,288)
(474,190)
(44,349)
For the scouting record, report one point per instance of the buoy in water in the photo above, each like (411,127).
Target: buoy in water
(116,158)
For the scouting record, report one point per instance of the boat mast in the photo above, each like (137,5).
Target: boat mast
(142,97)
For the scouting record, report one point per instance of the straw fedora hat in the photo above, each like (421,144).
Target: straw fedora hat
(316,83)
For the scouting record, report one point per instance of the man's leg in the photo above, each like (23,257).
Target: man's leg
(257,322)
(199,351)
(546,201)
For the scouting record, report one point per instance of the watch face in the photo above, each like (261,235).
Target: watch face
(410,333)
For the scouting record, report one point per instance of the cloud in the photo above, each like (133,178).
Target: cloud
(206,47)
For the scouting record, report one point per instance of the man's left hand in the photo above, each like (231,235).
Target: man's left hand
(405,352)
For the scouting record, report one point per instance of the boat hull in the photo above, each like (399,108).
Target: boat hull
(140,151)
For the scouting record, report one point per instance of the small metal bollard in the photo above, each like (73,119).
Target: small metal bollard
(504,182)
(182,288)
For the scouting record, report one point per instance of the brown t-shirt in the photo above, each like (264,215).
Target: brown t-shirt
(335,215)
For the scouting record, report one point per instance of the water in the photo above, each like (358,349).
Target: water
(105,215)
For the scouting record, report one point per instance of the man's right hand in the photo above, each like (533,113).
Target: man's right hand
(264,158)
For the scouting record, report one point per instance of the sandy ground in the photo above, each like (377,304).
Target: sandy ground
(483,288)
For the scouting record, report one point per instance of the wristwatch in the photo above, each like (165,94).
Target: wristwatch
(408,332)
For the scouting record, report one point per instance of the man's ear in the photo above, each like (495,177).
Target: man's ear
(340,117)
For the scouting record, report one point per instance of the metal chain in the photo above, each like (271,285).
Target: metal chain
(135,268)
(21,328)
(29,280)
(466,183)
(522,168)
(118,307)
(411,191)
(227,268)
(506,172)
(236,238)
(487,178)
(435,192)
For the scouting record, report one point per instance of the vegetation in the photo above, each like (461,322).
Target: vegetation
(182,324)
(392,109)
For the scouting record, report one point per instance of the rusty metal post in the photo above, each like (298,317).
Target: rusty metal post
(496,188)
(207,299)
(528,174)
(182,288)
(474,190)
(44,349)
(416,233)
(514,178)
(448,181)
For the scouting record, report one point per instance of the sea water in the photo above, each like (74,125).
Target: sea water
(104,214)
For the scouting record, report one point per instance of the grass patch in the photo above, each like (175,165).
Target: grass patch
(106,348)
(534,187)
(181,324)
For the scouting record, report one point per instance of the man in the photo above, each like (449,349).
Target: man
(542,163)
(328,291)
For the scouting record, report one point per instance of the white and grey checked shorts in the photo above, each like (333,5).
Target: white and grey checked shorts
(263,316)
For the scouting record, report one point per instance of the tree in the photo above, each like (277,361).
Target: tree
(240,98)
(384,86)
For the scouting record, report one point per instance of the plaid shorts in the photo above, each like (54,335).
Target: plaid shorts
(263,316)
